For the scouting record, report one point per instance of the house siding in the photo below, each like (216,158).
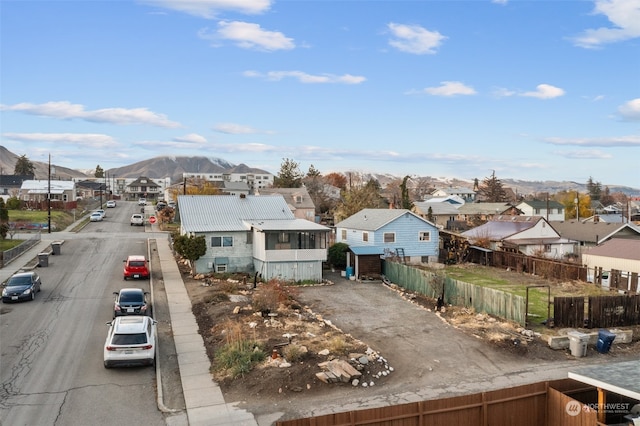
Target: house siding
(407,230)
(240,256)
(290,271)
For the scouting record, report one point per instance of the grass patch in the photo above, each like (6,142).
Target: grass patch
(60,220)
(239,355)
(9,244)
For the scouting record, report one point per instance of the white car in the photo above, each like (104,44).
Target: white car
(102,212)
(111,204)
(142,202)
(131,341)
(95,217)
(137,219)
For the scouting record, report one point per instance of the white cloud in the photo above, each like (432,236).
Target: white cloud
(308,78)
(500,1)
(544,91)
(586,154)
(630,111)
(92,140)
(501,92)
(209,9)
(624,16)
(415,39)
(234,129)
(191,138)
(450,88)
(249,36)
(67,111)
(613,141)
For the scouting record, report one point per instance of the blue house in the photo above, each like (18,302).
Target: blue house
(375,234)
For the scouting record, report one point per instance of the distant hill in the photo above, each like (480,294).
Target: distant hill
(174,167)
(8,162)
(160,167)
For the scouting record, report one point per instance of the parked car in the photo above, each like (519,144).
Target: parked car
(130,341)
(142,201)
(137,219)
(160,205)
(102,212)
(131,301)
(135,266)
(96,217)
(111,204)
(21,286)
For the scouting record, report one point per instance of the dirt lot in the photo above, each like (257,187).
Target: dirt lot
(413,352)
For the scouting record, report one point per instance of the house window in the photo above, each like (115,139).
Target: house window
(424,236)
(365,236)
(547,248)
(343,234)
(221,241)
(284,237)
(536,211)
(389,237)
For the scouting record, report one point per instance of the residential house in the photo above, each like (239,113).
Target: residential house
(10,185)
(475,214)
(439,213)
(89,189)
(298,200)
(143,187)
(620,254)
(254,178)
(38,191)
(373,234)
(529,235)
(233,188)
(549,209)
(467,194)
(591,234)
(254,234)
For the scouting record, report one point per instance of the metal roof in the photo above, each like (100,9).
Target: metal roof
(211,213)
(484,208)
(500,230)
(39,185)
(287,225)
(373,219)
(437,208)
(593,232)
(365,250)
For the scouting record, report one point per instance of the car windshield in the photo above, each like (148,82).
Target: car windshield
(19,281)
(131,298)
(129,339)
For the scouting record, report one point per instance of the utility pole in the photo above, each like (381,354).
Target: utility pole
(49,198)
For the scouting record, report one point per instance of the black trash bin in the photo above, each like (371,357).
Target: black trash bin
(605,339)
(56,248)
(43,259)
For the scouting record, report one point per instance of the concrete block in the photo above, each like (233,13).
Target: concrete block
(622,336)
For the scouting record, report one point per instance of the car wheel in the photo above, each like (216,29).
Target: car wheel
(106,365)
(125,277)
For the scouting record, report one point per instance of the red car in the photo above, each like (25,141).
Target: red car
(136,267)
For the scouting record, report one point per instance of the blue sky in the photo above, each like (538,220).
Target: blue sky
(535,90)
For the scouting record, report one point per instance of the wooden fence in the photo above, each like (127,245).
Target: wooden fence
(457,293)
(563,402)
(600,311)
(547,268)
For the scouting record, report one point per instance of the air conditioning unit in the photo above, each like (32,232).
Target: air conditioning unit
(221,268)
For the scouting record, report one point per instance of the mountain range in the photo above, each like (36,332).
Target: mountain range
(174,167)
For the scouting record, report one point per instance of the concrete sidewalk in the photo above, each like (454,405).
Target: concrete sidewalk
(203,397)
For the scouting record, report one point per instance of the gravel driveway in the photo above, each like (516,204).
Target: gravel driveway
(431,359)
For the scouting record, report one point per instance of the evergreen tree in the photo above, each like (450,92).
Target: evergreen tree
(190,247)
(594,189)
(289,175)
(99,172)
(406,201)
(4,212)
(24,167)
(358,198)
(491,190)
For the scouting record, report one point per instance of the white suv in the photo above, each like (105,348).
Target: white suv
(131,341)
(137,219)
(142,202)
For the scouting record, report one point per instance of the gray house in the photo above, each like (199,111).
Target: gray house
(254,234)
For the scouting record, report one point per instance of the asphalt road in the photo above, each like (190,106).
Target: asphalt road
(51,348)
